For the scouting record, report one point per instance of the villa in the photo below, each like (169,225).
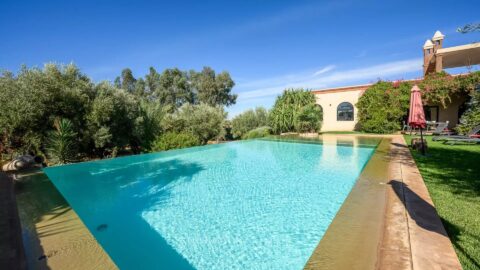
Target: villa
(338,104)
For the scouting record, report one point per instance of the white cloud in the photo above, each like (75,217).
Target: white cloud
(324,70)
(273,86)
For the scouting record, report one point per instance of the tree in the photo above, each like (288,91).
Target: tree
(32,100)
(62,146)
(213,89)
(472,27)
(111,120)
(173,89)
(126,81)
(283,117)
(249,120)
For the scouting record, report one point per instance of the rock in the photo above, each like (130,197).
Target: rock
(22,163)
(416,144)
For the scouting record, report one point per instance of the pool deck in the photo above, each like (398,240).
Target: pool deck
(388,221)
(53,234)
(12,254)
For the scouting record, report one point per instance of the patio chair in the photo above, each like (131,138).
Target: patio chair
(440,129)
(465,138)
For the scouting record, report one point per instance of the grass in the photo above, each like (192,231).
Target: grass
(452,176)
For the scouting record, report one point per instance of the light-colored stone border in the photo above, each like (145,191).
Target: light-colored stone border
(388,221)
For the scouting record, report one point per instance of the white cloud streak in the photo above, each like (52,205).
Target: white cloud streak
(322,78)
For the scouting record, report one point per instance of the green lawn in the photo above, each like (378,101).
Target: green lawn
(452,176)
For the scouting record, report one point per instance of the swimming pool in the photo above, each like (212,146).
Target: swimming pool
(255,204)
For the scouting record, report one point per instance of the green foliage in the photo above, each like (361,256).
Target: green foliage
(111,120)
(248,120)
(213,89)
(174,140)
(202,120)
(383,106)
(284,115)
(259,132)
(471,118)
(441,87)
(62,147)
(309,119)
(32,100)
(173,89)
(108,118)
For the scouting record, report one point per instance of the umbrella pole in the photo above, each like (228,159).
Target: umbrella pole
(423,145)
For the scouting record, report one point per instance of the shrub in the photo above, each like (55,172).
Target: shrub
(284,115)
(257,133)
(383,106)
(248,120)
(202,120)
(309,119)
(471,118)
(174,140)
(62,147)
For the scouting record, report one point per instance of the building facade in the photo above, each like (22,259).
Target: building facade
(339,104)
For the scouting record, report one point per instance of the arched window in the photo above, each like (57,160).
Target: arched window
(321,111)
(345,112)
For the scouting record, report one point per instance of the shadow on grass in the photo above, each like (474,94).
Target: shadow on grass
(455,167)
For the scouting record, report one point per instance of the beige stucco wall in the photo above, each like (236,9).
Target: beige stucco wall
(330,101)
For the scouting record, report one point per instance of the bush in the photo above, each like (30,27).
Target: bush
(174,140)
(203,121)
(284,115)
(248,120)
(383,106)
(309,119)
(62,147)
(258,133)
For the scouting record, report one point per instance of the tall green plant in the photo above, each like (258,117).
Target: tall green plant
(62,146)
(284,115)
(309,119)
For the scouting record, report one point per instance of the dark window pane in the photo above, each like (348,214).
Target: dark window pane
(345,112)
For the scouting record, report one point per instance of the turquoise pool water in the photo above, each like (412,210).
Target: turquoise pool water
(255,204)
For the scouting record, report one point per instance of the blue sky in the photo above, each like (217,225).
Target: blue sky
(265,45)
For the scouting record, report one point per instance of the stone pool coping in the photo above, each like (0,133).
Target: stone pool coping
(53,234)
(388,220)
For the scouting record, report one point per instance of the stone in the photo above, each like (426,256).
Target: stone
(416,144)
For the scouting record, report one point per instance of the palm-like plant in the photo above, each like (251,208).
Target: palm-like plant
(62,146)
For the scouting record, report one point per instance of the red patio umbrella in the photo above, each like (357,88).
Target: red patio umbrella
(416,118)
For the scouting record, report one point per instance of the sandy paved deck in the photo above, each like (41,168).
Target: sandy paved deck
(388,221)
(54,235)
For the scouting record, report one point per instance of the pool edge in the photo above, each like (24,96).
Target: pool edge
(388,220)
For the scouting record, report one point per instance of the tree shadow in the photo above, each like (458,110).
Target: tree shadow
(422,212)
